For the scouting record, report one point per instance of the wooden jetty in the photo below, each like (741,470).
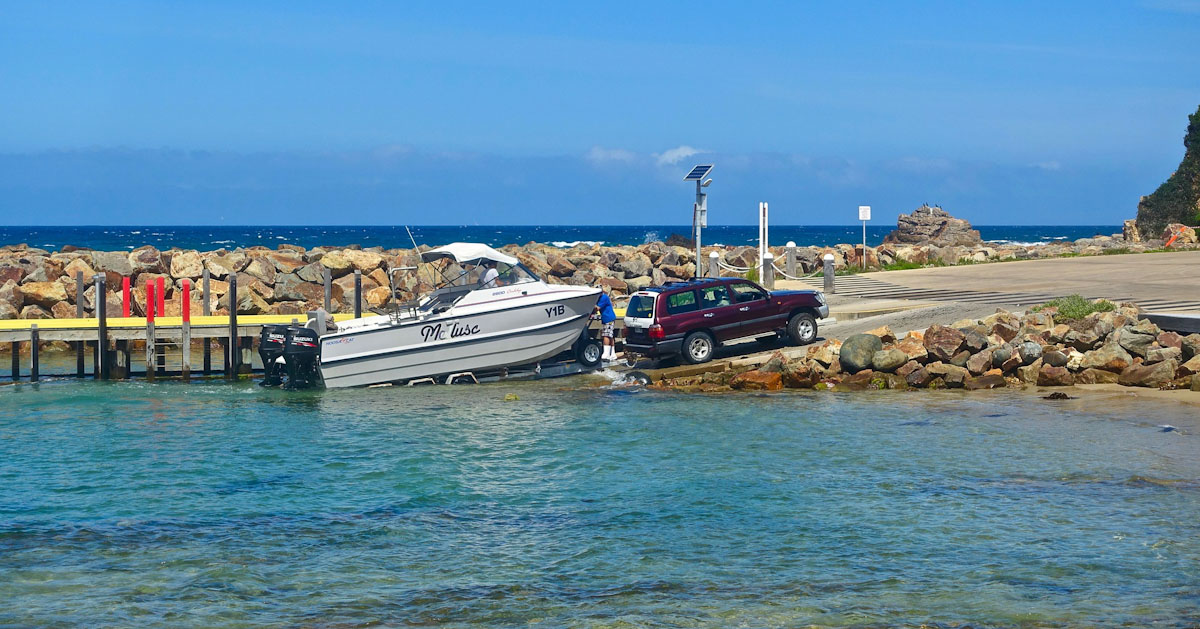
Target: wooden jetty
(110,338)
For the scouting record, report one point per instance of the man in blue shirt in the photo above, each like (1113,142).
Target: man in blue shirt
(607,317)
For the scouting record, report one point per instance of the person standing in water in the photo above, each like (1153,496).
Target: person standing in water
(608,318)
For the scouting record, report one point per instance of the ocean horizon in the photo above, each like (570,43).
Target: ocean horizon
(112,238)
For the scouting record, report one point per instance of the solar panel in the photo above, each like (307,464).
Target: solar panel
(699,172)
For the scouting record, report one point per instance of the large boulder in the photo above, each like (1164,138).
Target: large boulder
(1108,357)
(1029,352)
(933,226)
(338,262)
(365,261)
(953,375)
(44,294)
(1190,345)
(186,264)
(858,351)
(261,269)
(1135,342)
(285,261)
(757,381)
(986,381)
(1096,376)
(222,266)
(112,262)
(888,360)
(1153,376)
(1051,376)
(146,260)
(942,343)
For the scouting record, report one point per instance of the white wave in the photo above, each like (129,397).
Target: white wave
(650,237)
(1019,243)
(564,244)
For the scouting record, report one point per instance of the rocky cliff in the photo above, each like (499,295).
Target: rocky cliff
(1178,199)
(933,226)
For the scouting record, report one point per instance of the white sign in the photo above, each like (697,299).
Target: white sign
(864,212)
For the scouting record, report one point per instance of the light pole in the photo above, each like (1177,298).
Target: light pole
(700,208)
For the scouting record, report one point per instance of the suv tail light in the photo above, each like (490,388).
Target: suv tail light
(656,332)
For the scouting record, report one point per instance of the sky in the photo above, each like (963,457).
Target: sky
(214,112)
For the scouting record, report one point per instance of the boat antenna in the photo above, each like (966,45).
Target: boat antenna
(417,250)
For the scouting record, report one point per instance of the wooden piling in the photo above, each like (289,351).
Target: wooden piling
(100,362)
(328,290)
(206,310)
(33,353)
(150,343)
(79,371)
(357,294)
(185,301)
(233,363)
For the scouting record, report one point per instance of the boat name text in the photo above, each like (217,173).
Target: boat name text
(438,332)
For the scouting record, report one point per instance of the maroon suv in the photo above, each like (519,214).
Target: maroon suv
(691,319)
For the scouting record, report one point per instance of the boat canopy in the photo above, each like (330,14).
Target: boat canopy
(468,253)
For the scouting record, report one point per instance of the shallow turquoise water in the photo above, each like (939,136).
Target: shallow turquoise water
(225,505)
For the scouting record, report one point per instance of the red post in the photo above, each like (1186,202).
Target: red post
(125,297)
(186,303)
(162,296)
(150,302)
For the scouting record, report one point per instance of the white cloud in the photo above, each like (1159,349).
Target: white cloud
(677,154)
(1051,165)
(599,155)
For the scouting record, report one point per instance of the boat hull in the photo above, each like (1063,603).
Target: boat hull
(451,343)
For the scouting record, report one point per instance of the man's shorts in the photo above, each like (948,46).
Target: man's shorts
(606,330)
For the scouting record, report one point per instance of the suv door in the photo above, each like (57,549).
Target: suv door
(717,309)
(754,309)
(679,313)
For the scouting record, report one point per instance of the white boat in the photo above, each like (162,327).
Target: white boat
(462,325)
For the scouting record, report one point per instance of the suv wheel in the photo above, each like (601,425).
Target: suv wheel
(698,348)
(802,328)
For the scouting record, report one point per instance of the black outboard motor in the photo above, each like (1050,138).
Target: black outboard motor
(270,349)
(300,353)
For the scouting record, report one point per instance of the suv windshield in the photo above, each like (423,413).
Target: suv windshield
(640,307)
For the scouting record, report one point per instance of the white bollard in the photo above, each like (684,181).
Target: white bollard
(714,267)
(768,271)
(828,272)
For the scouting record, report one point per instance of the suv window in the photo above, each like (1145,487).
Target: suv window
(681,302)
(640,307)
(714,297)
(746,292)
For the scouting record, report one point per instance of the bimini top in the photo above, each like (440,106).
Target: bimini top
(468,252)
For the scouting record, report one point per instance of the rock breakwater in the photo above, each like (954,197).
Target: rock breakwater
(1002,350)
(38,284)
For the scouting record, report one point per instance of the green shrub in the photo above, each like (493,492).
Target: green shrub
(752,274)
(1074,307)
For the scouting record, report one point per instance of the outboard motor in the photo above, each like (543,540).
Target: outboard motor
(300,353)
(270,349)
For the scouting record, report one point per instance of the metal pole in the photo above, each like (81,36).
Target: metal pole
(16,360)
(101,363)
(357,293)
(206,310)
(827,271)
(697,224)
(864,249)
(33,350)
(231,346)
(79,313)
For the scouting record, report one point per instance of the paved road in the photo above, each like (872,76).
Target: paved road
(1159,282)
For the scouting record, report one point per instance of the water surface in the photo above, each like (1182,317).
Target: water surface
(225,505)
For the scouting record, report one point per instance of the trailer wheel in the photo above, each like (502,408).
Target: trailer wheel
(589,352)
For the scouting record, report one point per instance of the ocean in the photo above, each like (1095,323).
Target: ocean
(216,504)
(391,236)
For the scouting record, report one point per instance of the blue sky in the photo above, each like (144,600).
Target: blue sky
(526,112)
